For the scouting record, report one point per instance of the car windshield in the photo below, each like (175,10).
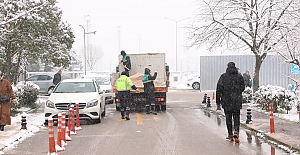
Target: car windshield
(100,80)
(75,87)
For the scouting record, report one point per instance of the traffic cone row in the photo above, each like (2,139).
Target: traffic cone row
(63,132)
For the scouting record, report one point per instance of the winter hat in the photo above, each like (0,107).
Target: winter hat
(123,52)
(147,70)
(125,73)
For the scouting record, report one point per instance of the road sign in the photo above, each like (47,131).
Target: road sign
(295,69)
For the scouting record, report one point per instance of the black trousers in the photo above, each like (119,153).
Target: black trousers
(124,97)
(235,114)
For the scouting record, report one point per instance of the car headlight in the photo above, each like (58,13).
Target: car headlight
(92,103)
(49,104)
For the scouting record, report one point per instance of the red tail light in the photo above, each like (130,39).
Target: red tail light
(160,99)
(117,100)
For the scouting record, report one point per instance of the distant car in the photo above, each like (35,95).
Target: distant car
(194,82)
(71,91)
(103,80)
(44,81)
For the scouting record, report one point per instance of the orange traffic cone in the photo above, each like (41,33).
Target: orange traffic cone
(68,138)
(59,147)
(51,137)
(77,118)
(72,122)
(213,96)
(63,129)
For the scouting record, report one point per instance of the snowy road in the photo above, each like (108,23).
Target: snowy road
(183,129)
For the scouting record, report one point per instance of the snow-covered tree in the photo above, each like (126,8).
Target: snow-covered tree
(33,29)
(261,26)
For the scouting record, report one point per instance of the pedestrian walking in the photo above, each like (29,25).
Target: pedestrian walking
(57,78)
(229,95)
(123,85)
(126,61)
(6,94)
(247,79)
(149,90)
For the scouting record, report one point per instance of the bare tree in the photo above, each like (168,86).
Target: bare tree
(260,26)
(93,54)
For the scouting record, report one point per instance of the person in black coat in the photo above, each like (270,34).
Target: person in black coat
(57,78)
(126,61)
(149,90)
(247,79)
(229,95)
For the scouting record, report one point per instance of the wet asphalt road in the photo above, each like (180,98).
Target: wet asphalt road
(184,129)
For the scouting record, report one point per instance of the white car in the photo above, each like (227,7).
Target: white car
(194,82)
(71,91)
(103,80)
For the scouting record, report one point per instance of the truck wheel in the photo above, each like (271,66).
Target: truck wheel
(163,107)
(196,85)
(118,108)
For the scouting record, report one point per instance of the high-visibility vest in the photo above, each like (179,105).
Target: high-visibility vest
(123,83)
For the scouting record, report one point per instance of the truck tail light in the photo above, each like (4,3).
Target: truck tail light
(160,99)
(117,100)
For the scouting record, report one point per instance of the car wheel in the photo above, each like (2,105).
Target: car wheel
(99,119)
(50,90)
(196,85)
(46,123)
(104,112)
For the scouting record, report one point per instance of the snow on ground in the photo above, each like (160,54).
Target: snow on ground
(12,134)
(35,120)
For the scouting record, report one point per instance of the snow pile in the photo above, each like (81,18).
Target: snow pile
(16,135)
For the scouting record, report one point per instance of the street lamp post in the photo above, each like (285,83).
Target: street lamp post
(176,21)
(84,46)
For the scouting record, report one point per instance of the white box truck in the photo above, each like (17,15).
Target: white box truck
(153,61)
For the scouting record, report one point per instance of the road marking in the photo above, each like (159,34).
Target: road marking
(139,119)
(121,120)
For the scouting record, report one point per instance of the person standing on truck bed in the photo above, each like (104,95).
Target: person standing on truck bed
(123,85)
(126,62)
(149,90)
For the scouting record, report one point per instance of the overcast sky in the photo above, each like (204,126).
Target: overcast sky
(143,29)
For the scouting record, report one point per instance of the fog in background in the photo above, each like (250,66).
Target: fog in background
(141,26)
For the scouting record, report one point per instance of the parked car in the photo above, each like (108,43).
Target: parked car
(71,91)
(103,80)
(194,82)
(44,81)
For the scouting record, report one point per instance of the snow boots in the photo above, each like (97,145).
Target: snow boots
(236,137)
(230,138)
(127,117)
(1,127)
(151,109)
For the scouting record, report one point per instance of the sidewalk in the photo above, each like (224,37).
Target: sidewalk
(287,132)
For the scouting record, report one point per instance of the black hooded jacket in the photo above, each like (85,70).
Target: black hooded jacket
(229,89)
(148,81)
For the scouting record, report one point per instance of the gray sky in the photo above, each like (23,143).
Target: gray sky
(143,29)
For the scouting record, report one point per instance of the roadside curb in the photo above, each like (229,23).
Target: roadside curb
(267,137)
